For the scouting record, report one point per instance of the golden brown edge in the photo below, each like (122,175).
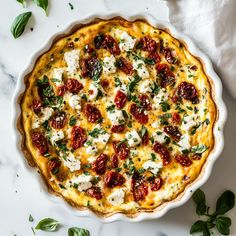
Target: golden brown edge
(32,163)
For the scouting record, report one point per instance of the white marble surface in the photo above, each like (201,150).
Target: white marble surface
(19,194)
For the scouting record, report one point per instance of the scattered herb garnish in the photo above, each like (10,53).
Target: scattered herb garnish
(165,106)
(48,224)
(72,121)
(43,4)
(75,231)
(216,220)
(199,149)
(18,25)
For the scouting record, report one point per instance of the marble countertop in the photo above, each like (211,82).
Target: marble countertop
(20,195)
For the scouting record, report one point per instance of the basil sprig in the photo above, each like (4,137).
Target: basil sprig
(18,25)
(48,224)
(43,4)
(224,203)
(23,2)
(75,231)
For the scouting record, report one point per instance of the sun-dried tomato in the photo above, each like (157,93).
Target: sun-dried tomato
(121,149)
(107,42)
(92,113)
(176,118)
(168,55)
(54,165)
(183,160)
(114,161)
(145,139)
(95,192)
(91,67)
(139,113)
(194,67)
(120,99)
(78,137)
(37,105)
(73,85)
(156,183)
(124,65)
(117,128)
(40,142)
(166,76)
(147,44)
(99,166)
(104,83)
(173,132)
(59,120)
(145,102)
(88,49)
(154,56)
(113,179)
(61,90)
(163,152)
(139,187)
(188,91)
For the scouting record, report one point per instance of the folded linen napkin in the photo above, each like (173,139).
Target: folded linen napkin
(212,25)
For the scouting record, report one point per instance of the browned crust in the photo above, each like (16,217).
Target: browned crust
(30,159)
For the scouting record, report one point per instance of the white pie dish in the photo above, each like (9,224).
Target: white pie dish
(218,133)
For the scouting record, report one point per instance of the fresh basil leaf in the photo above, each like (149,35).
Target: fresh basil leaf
(18,25)
(48,225)
(223,225)
(75,231)
(133,83)
(165,106)
(43,4)
(23,2)
(72,121)
(225,203)
(199,149)
(143,131)
(200,200)
(198,226)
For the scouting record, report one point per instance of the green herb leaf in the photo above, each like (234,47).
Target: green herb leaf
(223,225)
(74,231)
(31,219)
(48,225)
(23,2)
(198,226)
(143,131)
(72,121)
(200,200)
(18,25)
(133,83)
(43,4)
(165,106)
(225,203)
(199,149)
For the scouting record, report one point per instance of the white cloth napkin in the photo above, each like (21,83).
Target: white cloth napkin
(212,25)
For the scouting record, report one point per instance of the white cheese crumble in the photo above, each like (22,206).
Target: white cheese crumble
(133,138)
(83,182)
(188,122)
(71,162)
(184,142)
(116,117)
(58,75)
(56,136)
(72,60)
(109,65)
(162,96)
(36,122)
(160,137)
(145,86)
(91,149)
(116,198)
(126,41)
(74,101)
(47,113)
(154,167)
(140,67)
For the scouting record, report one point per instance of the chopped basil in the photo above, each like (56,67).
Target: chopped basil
(165,106)
(143,131)
(31,219)
(153,156)
(72,121)
(199,149)
(48,225)
(117,82)
(96,132)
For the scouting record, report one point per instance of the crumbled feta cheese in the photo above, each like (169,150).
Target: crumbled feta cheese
(116,198)
(123,88)
(188,122)
(133,138)
(56,136)
(145,86)
(71,162)
(83,182)
(140,67)
(74,101)
(184,142)
(159,136)
(47,113)
(126,41)
(130,205)
(162,96)
(36,122)
(91,159)
(109,65)
(57,75)
(154,167)
(91,149)
(94,88)
(116,117)
(155,125)
(72,60)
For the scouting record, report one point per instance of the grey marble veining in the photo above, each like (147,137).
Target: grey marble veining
(20,193)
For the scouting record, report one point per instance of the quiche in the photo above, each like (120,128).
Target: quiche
(118,116)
